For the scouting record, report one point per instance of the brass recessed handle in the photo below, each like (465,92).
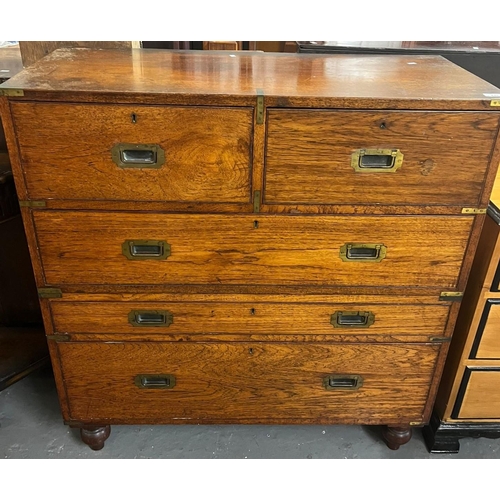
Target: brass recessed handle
(352,319)
(376,160)
(363,252)
(146,249)
(138,155)
(343,382)
(150,318)
(154,381)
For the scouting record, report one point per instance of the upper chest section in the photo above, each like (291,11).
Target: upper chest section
(239,133)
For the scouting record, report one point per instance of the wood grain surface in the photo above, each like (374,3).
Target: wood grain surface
(252,317)
(86,248)
(207,152)
(418,82)
(262,383)
(308,157)
(481,398)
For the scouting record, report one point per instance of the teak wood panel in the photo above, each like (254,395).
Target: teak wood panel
(261,382)
(289,79)
(86,248)
(489,332)
(66,152)
(308,157)
(482,397)
(253,318)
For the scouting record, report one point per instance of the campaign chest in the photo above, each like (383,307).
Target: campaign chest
(249,238)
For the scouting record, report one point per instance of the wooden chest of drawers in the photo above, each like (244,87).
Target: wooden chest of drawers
(235,238)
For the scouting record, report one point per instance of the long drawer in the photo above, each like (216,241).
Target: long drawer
(246,382)
(255,318)
(145,248)
(319,157)
(141,153)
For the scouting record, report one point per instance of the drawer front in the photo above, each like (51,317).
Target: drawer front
(230,382)
(479,394)
(72,152)
(495,283)
(309,157)
(487,341)
(96,248)
(253,318)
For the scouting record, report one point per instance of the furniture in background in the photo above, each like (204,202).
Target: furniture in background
(257,239)
(468,401)
(33,51)
(228,45)
(23,347)
(10,64)
(263,46)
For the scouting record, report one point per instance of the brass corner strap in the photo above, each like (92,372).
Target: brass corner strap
(50,293)
(259,110)
(59,337)
(495,102)
(440,340)
(11,92)
(256,202)
(32,204)
(451,296)
(473,211)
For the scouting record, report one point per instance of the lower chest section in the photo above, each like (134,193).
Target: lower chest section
(243,382)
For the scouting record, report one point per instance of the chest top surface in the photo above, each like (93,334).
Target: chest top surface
(416,82)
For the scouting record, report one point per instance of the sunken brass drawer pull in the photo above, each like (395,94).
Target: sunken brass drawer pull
(352,319)
(150,318)
(343,382)
(138,155)
(376,160)
(145,249)
(154,381)
(363,252)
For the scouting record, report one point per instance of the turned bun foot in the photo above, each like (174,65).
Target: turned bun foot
(95,436)
(394,437)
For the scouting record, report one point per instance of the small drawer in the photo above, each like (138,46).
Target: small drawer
(242,382)
(251,318)
(479,394)
(114,248)
(317,157)
(135,153)
(487,340)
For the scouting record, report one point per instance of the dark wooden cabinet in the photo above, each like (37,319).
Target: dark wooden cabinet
(23,346)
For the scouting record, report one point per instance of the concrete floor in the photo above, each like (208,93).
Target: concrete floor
(31,427)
